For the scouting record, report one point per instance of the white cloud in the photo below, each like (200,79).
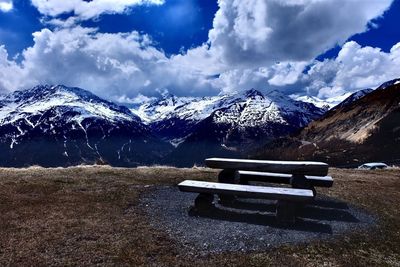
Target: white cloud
(6,5)
(354,68)
(242,79)
(111,65)
(278,36)
(253,43)
(255,33)
(286,73)
(139,99)
(12,76)
(88,9)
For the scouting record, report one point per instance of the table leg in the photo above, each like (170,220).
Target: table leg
(203,202)
(285,212)
(227,176)
(301,182)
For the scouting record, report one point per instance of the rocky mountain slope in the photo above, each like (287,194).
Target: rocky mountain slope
(364,129)
(174,118)
(241,122)
(61,126)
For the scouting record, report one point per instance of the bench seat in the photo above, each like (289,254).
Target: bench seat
(274,193)
(289,167)
(320,181)
(288,199)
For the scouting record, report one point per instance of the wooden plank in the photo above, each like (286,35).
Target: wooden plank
(291,167)
(321,181)
(271,177)
(246,190)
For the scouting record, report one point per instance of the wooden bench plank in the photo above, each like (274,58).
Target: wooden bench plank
(289,194)
(265,177)
(290,167)
(321,181)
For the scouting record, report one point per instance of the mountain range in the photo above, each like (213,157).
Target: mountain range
(232,124)
(174,118)
(62,126)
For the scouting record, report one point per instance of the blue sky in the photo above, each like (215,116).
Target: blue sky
(132,48)
(383,32)
(176,25)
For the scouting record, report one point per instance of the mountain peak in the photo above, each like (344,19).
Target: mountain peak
(353,97)
(42,91)
(167,94)
(388,83)
(251,93)
(166,99)
(42,98)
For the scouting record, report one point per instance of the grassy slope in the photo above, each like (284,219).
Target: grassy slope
(89,215)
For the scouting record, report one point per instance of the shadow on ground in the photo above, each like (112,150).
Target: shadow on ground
(247,224)
(264,214)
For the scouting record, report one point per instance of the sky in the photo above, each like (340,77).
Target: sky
(127,50)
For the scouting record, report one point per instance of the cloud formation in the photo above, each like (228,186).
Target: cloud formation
(111,65)
(6,5)
(85,10)
(12,76)
(354,68)
(258,43)
(258,32)
(253,43)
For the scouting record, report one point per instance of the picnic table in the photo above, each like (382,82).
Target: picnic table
(236,174)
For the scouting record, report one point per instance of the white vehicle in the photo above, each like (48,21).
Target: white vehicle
(373,166)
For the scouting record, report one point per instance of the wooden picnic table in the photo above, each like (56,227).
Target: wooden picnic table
(236,173)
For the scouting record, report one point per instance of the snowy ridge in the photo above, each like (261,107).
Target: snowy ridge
(326,104)
(35,101)
(248,115)
(250,110)
(188,108)
(247,109)
(62,126)
(388,83)
(353,97)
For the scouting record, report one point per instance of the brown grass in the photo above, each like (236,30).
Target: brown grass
(90,215)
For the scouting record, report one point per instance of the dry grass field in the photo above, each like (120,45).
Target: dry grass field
(90,216)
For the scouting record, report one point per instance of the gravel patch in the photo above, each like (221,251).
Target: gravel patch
(249,224)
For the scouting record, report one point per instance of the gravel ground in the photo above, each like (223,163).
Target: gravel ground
(249,225)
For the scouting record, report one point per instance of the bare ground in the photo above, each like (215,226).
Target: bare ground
(91,216)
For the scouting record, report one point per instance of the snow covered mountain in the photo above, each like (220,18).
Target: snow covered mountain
(353,97)
(326,104)
(313,100)
(388,84)
(176,118)
(226,125)
(61,126)
(173,118)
